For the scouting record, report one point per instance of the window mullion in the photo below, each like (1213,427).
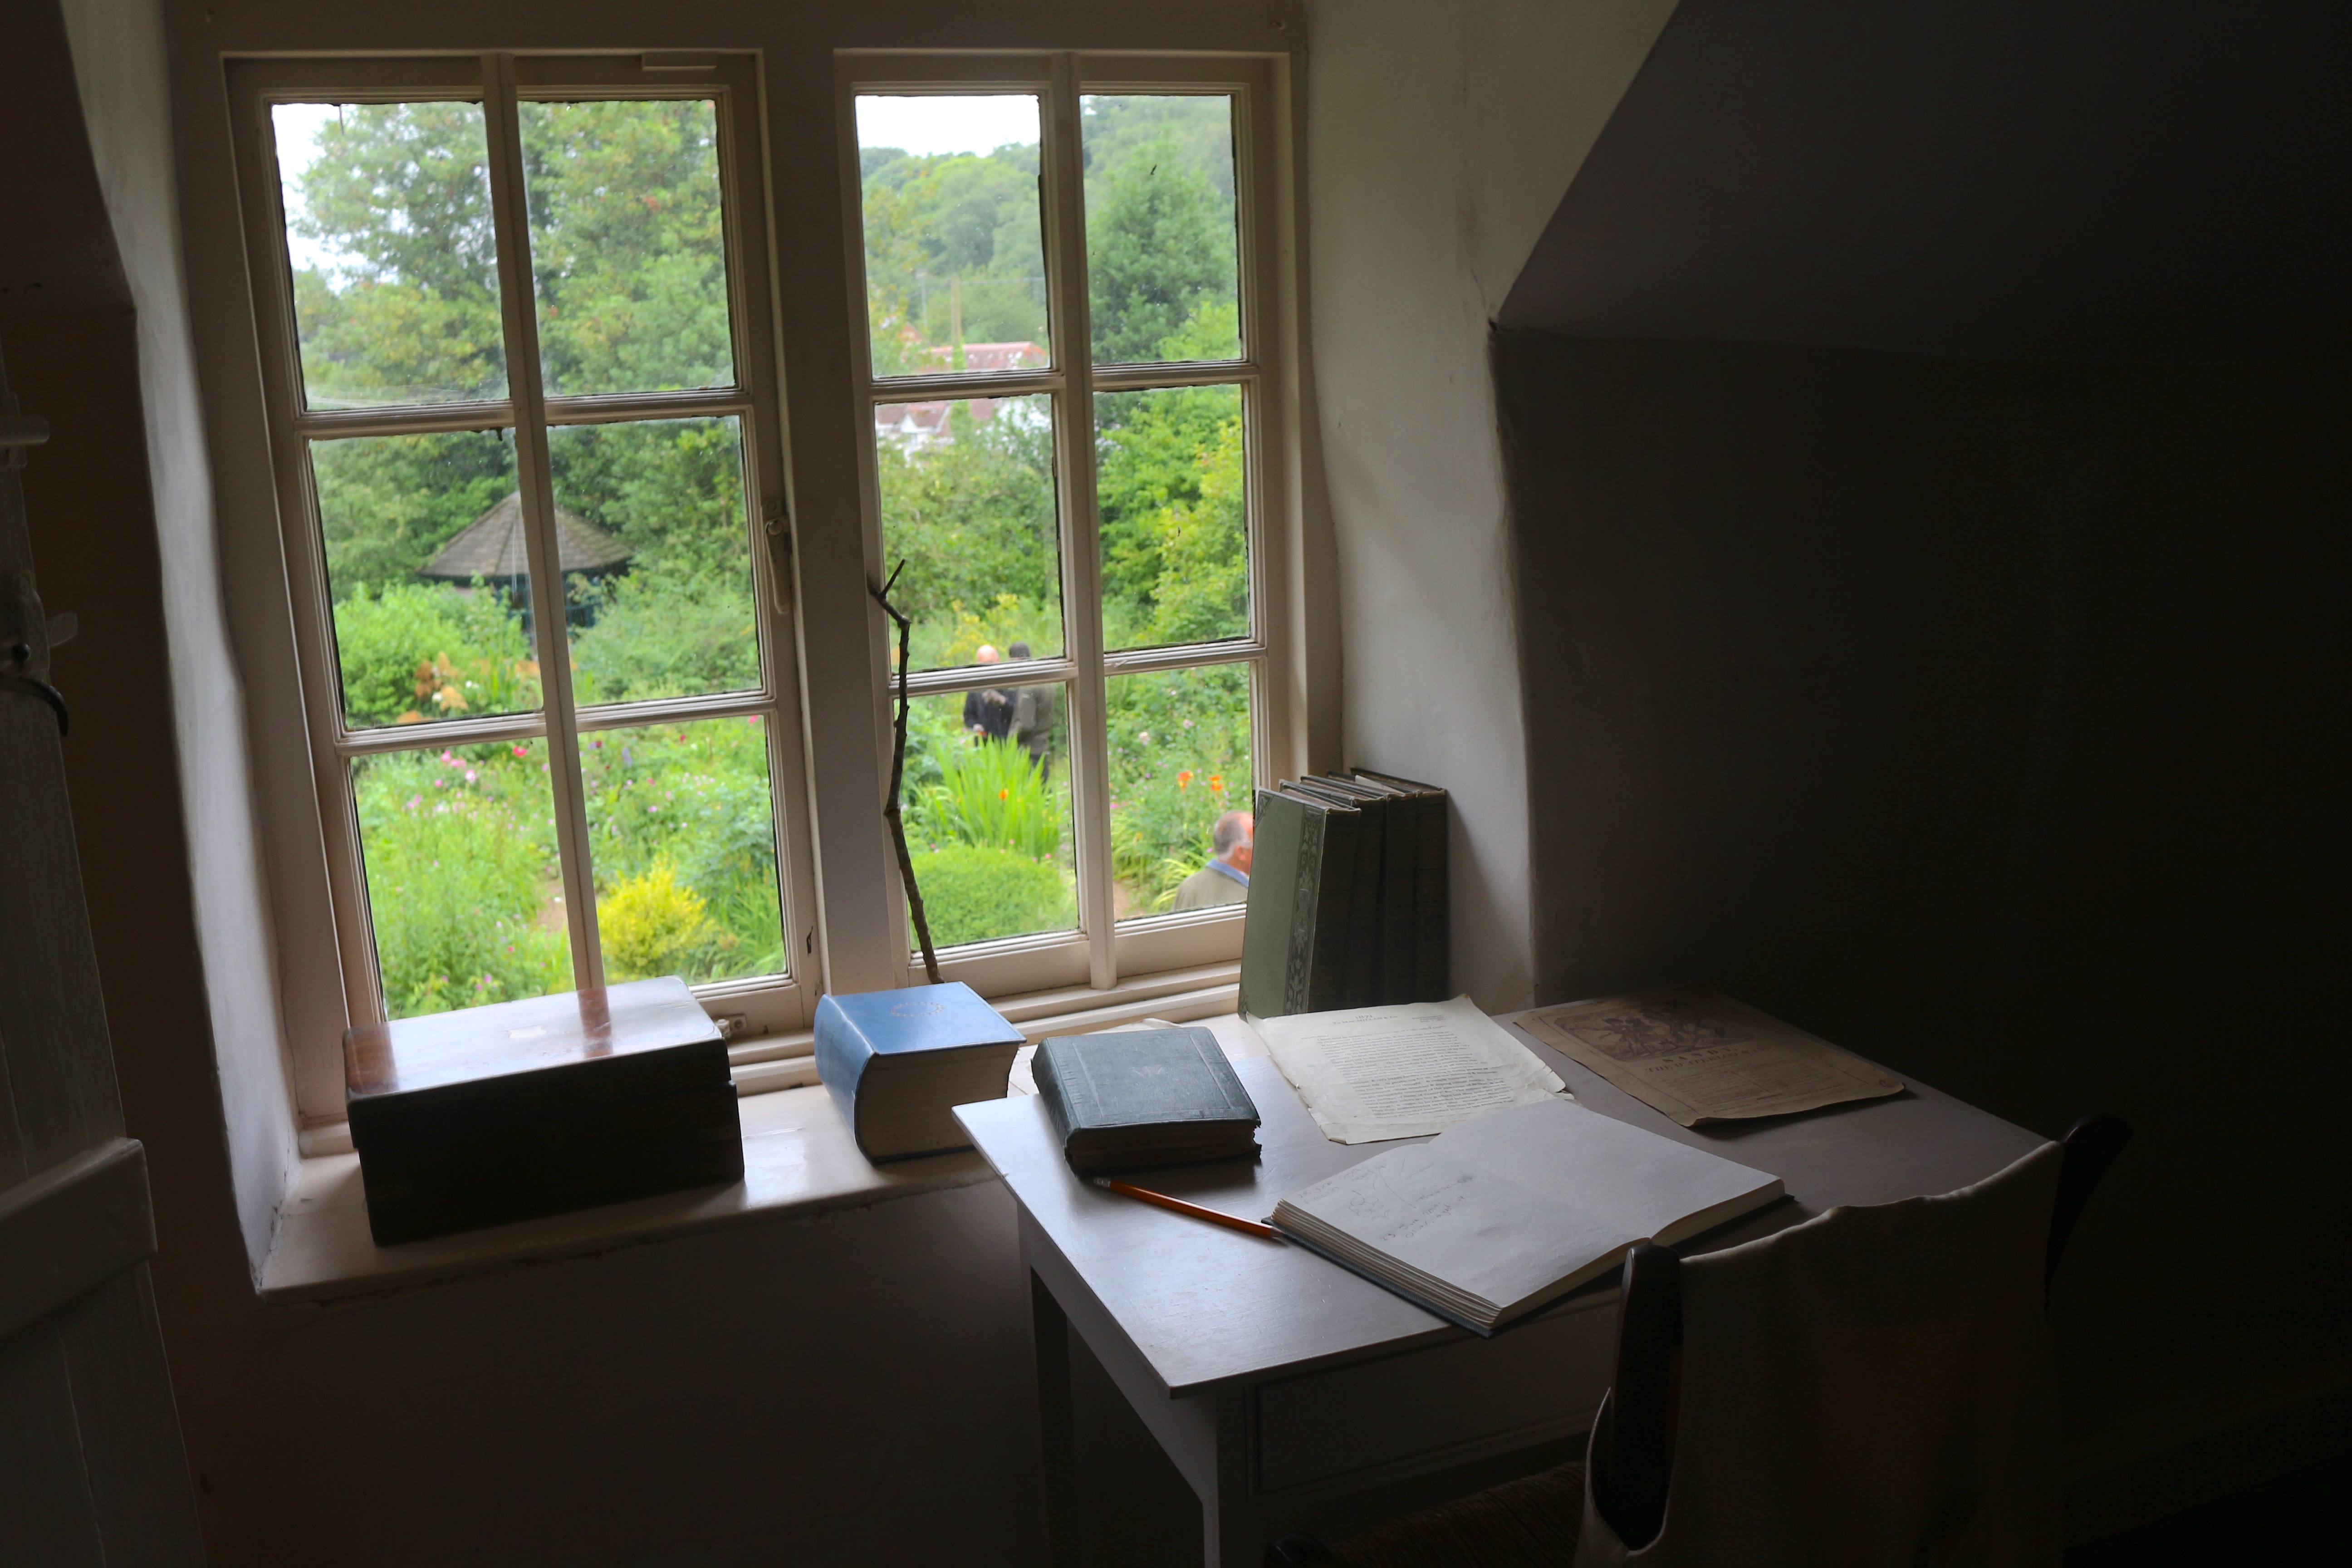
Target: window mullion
(536,484)
(1081,559)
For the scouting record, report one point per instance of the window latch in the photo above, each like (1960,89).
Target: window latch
(25,639)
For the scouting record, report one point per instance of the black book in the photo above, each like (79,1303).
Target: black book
(1360,984)
(1137,1098)
(1293,940)
(1434,939)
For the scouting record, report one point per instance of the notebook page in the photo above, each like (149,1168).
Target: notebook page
(1457,1225)
(1648,1186)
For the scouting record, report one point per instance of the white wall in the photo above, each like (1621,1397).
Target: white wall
(120,64)
(1440,138)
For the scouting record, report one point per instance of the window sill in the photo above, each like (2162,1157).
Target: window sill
(799,1161)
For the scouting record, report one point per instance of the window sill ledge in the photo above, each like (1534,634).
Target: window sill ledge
(799,1161)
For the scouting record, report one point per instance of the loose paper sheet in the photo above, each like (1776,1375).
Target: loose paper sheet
(1698,1055)
(1373,1073)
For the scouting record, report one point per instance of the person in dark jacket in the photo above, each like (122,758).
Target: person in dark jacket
(988,714)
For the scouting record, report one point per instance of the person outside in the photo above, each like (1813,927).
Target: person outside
(987,713)
(1225,878)
(1035,709)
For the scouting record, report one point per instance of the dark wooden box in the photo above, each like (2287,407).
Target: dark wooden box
(500,1113)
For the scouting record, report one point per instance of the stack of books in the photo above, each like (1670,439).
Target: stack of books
(1346,896)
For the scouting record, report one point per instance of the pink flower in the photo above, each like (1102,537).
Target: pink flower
(469,775)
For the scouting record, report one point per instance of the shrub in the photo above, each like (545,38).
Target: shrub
(661,636)
(972,894)
(426,650)
(651,925)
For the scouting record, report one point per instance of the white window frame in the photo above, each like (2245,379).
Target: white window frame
(762,1006)
(1103,956)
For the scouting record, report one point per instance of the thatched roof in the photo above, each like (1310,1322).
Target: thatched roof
(491,546)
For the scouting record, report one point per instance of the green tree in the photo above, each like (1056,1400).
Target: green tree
(1154,251)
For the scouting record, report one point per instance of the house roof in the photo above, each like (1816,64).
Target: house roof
(491,546)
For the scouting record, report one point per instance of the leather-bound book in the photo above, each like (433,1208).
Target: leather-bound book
(1130,1098)
(1295,937)
(491,1114)
(1431,883)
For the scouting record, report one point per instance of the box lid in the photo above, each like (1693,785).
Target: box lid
(477,1045)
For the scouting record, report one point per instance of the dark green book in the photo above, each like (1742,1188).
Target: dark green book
(1432,924)
(1130,1098)
(1360,985)
(1293,941)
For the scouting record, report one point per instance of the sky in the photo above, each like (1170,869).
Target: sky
(923,126)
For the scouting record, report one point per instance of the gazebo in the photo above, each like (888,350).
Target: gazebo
(490,550)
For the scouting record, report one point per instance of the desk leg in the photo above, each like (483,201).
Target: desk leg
(1050,1333)
(1233,1532)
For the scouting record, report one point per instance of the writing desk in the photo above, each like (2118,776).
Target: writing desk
(1290,1392)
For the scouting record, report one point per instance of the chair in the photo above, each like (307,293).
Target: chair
(1618,1497)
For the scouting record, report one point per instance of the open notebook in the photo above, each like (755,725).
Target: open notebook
(1492,1219)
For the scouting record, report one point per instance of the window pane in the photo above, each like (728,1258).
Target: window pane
(1163,260)
(463,884)
(627,250)
(987,807)
(426,568)
(1180,760)
(684,841)
(968,503)
(394,259)
(657,558)
(955,259)
(1171,484)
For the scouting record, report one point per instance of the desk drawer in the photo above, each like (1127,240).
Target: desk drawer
(1448,1404)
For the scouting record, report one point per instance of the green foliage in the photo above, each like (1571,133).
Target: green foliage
(1171,486)
(1179,758)
(689,802)
(386,503)
(973,894)
(989,793)
(973,517)
(460,858)
(1154,252)
(429,650)
(947,235)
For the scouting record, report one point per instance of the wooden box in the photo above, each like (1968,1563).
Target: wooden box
(498,1113)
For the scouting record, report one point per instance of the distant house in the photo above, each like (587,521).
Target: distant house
(490,550)
(918,425)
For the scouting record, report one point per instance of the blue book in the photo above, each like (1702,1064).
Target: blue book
(899,1062)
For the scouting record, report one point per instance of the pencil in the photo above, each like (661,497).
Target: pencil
(1217,1216)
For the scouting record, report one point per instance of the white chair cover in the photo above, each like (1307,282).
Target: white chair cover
(1871,1389)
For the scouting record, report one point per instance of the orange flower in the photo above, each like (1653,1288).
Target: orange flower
(1005,794)
(1183,778)
(1217,783)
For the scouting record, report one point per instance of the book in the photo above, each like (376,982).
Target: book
(1433,892)
(1360,982)
(1295,935)
(900,1062)
(485,1115)
(1131,1098)
(1487,1222)
(1396,925)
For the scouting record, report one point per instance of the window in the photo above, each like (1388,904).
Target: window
(590,681)
(1069,357)
(517,353)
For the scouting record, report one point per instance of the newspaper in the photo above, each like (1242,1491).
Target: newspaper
(1698,1055)
(1367,1074)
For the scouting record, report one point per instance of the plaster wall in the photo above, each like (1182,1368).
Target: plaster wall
(1439,140)
(120,64)
(1984,716)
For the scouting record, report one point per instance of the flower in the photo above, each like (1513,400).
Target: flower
(521,751)
(1143,737)
(1005,794)
(469,775)
(1217,783)
(1183,777)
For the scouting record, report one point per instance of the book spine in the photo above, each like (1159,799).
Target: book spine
(1265,927)
(1333,918)
(1299,966)
(1399,901)
(1363,988)
(1046,1069)
(1433,899)
(842,1052)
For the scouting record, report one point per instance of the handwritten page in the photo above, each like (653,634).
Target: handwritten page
(1406,1071)
(1698,1055)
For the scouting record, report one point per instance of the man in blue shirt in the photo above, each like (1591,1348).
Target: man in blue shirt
(1225,879)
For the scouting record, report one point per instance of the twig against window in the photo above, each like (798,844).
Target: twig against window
(891,812)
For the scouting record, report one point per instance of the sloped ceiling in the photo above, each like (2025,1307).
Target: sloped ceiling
(1970,176)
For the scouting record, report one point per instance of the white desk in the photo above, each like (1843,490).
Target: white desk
(1280,1384)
